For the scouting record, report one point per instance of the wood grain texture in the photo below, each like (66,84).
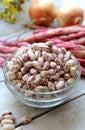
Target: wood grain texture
(70,116)
(11,103)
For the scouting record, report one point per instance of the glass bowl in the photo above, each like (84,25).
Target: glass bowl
(41,99)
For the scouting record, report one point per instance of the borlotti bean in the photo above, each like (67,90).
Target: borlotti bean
(18,128)
(8,127)
(40,66)
(8,121)
(9,117)
(6,113)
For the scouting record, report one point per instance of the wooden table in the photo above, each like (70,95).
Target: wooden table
(68,116)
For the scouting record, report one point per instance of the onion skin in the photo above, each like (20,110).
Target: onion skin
(42,11)
(70,16)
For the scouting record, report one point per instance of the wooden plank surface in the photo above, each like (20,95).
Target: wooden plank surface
(11,103)
(70,116)
(14,105)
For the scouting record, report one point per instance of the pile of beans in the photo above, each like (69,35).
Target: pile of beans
(8,121)
(42,67)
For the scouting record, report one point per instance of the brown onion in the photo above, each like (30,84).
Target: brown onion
(43,11)
(68,16)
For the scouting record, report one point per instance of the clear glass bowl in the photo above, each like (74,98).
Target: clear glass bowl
(41,99)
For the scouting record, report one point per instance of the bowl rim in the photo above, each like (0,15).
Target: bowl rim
(33,92)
